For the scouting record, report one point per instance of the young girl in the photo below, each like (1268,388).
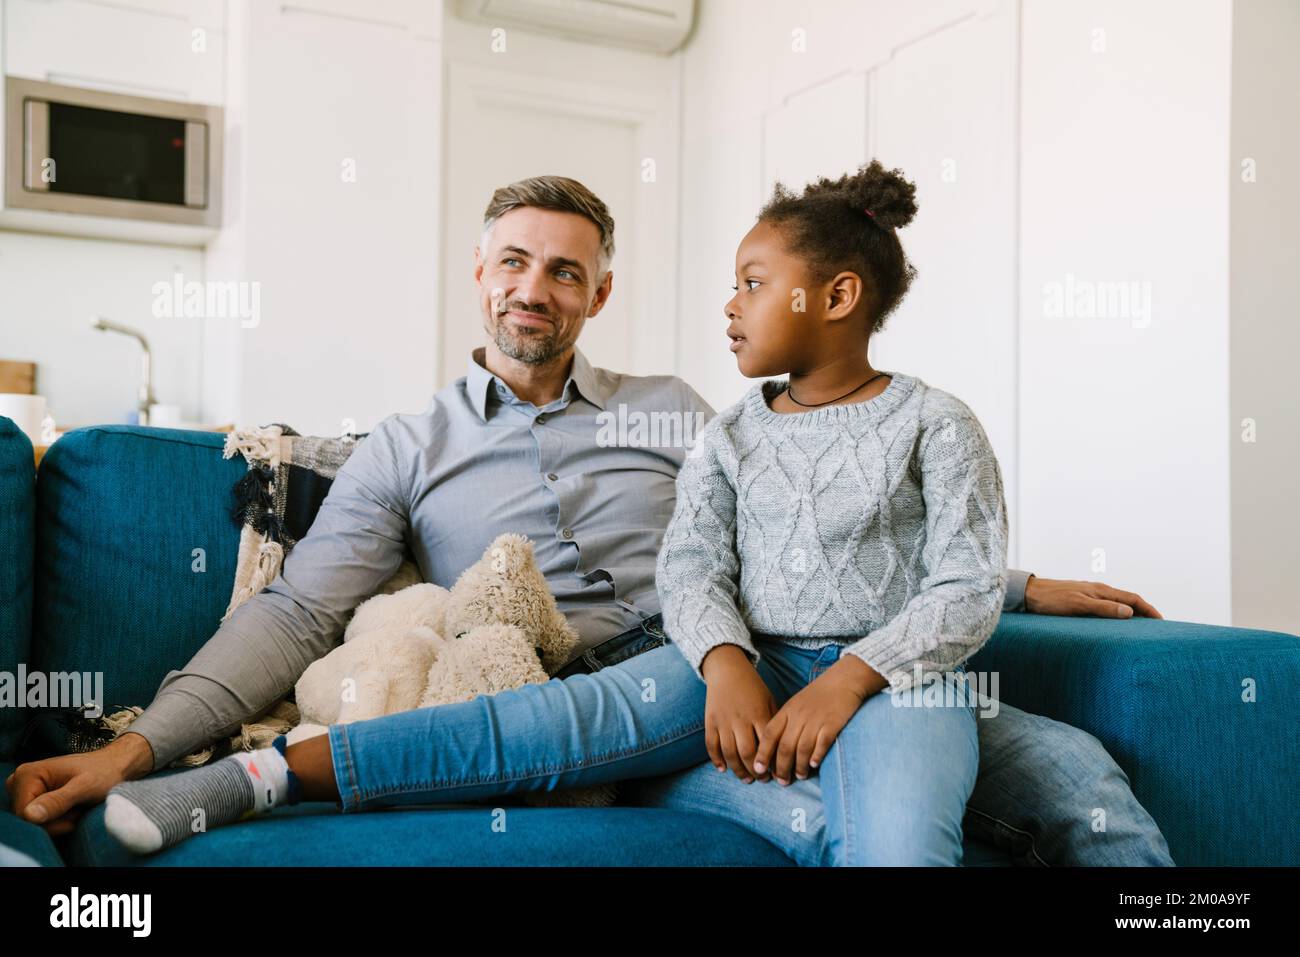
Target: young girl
(834,537)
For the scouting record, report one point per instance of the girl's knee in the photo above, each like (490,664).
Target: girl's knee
(926,836)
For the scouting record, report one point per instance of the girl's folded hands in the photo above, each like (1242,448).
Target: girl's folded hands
(798,736)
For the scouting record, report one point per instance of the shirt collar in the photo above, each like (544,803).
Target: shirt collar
(478,380)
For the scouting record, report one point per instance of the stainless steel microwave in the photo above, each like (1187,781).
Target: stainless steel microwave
(96,153)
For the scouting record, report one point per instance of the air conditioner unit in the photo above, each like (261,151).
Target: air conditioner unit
(658,26)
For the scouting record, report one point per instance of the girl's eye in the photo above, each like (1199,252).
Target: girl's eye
(747,282)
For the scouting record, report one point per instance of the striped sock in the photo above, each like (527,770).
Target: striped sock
(149,815)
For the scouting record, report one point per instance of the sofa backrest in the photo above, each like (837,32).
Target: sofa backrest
(17,537)
(135,553)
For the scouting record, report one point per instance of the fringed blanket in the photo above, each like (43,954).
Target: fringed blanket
(277,499)
(288,477)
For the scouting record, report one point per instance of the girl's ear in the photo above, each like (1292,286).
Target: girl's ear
(845,293)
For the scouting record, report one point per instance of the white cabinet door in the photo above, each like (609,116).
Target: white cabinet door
(164,48)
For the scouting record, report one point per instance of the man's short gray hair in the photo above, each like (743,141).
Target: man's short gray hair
(559,193)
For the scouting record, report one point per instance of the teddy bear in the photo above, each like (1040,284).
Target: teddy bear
(422,645)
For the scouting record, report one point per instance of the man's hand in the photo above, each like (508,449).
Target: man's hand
(1048,596)
(55,792)
(737,706)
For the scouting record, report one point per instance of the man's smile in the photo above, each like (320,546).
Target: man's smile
(531,319)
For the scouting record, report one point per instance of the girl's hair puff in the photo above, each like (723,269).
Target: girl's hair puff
(850,224)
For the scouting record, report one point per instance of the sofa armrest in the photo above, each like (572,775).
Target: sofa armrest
(1204,720)
(17,553)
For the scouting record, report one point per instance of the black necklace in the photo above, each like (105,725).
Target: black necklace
(813,405)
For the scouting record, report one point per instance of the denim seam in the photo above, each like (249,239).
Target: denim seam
(1033,850)
(844,804)
(606,758)
(657,643)
(353,800)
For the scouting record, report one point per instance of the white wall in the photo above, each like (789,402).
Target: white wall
(1124,178)
(50,286)
(171,49)
(1265,338)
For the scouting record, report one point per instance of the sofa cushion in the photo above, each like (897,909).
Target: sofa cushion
(23,840)
(317,834)
(1202,719)
(122,588)
(17,546)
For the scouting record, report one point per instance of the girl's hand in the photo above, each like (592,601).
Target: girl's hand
(803,730)
(737,706)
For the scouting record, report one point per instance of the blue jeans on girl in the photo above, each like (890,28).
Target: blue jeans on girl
(891,791)
(632,710)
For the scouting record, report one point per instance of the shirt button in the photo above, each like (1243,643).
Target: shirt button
(567,533)
(551,476)
(541,418)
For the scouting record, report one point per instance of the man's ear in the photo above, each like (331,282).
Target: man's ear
(602,294)
(478,265)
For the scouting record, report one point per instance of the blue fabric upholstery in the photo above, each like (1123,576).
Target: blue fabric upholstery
(1168,700)
(17,548)
(317,834)
(120,511)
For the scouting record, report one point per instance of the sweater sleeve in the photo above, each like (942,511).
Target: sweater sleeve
(697,569)
(960,597)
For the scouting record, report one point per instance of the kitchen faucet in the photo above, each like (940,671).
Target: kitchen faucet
(147,398)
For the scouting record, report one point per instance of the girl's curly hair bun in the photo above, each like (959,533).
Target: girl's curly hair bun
(834,224)
(889,197)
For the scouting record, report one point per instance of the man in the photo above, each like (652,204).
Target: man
(521,444)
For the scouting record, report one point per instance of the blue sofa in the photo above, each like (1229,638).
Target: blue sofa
(96,575)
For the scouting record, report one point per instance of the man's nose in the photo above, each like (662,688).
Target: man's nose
(533,288)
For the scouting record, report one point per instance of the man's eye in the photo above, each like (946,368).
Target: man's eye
(565,272)
(510,259)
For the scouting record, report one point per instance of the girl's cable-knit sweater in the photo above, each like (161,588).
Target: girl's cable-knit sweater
(880,525)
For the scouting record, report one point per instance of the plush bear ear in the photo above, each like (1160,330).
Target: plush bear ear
(505,587)
(509,554)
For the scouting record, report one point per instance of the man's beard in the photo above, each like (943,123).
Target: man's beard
(536,347)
